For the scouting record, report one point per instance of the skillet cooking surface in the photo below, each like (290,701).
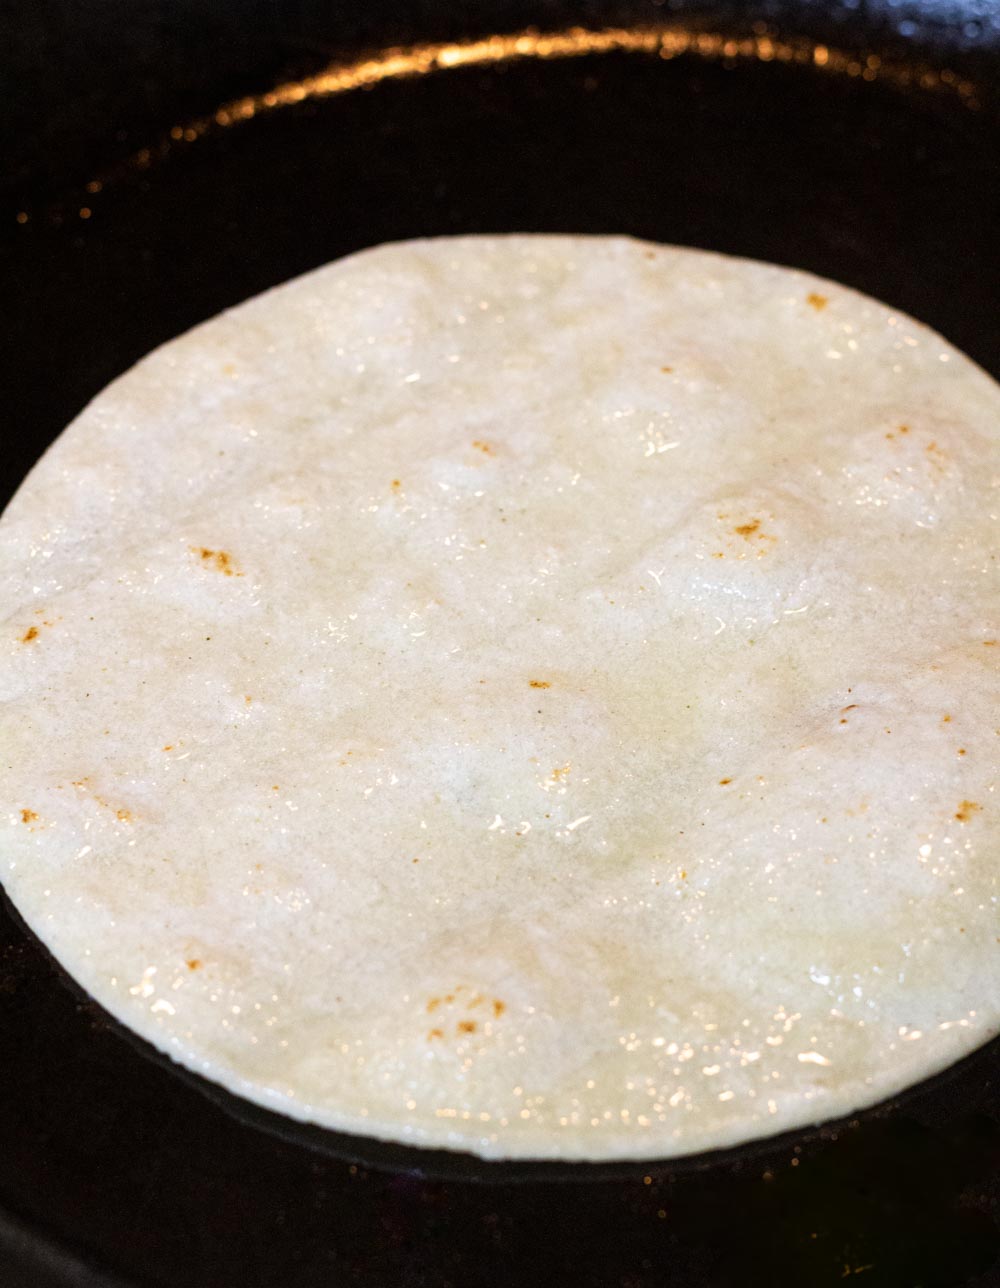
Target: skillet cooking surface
(115,1168)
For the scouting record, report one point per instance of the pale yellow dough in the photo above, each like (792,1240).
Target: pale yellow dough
(530,695)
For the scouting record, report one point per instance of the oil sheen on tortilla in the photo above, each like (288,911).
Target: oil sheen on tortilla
(529,695)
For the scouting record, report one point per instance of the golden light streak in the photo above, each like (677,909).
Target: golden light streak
(666,42)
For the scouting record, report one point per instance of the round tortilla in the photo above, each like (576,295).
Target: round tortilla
(529,695)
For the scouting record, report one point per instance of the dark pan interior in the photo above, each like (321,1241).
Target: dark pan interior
(856,159)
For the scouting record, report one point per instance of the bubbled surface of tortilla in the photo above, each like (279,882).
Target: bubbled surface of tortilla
(531,695)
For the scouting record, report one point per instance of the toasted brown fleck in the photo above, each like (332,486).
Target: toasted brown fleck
(30,634)
(666,370)
(961,751)
(540,684)
(966,810)
(724,782)
(433,1004)
(435,1033)
(818,302)
(193,963)
(221,560)
(28,816)
(466,1026)
(247,698)
(480,446)
(498,1007)
(169,747)
(123,815)
(946,719)
(989,643)
(904,429)
(747,529)
(396,485)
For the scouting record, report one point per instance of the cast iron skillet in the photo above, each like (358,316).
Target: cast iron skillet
(859,145)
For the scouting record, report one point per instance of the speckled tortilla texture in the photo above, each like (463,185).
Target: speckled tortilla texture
(530,695)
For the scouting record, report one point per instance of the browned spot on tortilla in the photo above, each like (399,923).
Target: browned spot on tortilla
(30,634)
(818,302)
(221,560)
(989,643)
(724,782)
(169,747)
(435,1033)
(747,529)
(247,698)
(84,785)
(966,810)
(466,1026)
(28,816)
(961,751)
(540,684)
(904,429)
(498,1007)
(193,963)
(480,446)
(666,370)
(946,719)
(433,1004)
(395,485)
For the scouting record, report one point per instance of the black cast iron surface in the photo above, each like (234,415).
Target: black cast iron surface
(114,1169)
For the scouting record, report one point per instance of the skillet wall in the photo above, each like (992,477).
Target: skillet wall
(85,78)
